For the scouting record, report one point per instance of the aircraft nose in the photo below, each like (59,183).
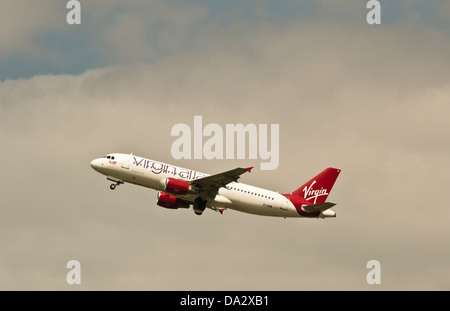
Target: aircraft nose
(95,164)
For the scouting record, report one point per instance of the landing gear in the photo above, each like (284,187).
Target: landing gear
(115,184)
(199,206)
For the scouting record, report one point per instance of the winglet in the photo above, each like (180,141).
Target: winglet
(249,169)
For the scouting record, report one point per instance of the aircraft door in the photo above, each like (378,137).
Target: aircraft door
(126,162)
(284,204)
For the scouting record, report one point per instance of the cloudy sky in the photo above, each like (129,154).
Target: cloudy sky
(372,100)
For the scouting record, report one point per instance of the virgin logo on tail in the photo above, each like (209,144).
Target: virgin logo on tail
(311,193)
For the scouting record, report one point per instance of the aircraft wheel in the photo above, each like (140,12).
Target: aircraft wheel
(112,186)
(199,206)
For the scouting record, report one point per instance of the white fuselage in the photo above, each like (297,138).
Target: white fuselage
(152,174)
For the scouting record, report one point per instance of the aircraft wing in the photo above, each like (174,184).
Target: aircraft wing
(210,185)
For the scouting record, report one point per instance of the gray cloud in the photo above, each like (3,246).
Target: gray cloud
(18,26)
(371,101)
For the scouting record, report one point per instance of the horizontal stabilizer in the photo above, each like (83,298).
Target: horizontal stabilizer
(318,207)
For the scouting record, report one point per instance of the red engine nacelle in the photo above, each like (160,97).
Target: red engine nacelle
(176,186)
(169,201)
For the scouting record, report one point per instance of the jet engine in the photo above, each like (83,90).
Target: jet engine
(169,201)
(176,186)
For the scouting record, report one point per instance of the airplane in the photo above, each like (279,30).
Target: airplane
(180,188)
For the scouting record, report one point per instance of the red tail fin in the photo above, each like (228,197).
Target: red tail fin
(317,189)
